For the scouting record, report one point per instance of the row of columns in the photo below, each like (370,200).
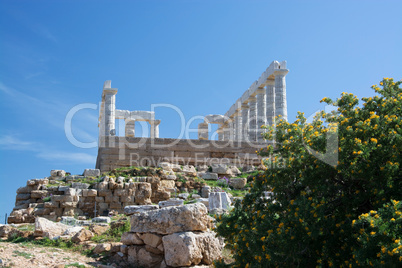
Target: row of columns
(260,108)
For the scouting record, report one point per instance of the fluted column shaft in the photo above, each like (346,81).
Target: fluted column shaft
(280,94)
(252,118)
(261,113)
(245,118)
(110,111)
(237,123)
(270,96)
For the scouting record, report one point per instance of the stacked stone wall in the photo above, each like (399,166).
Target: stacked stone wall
(116,152)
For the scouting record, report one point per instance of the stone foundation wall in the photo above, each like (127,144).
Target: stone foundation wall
(37,198)
(115,152)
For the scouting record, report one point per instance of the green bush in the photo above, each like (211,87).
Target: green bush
(323,214)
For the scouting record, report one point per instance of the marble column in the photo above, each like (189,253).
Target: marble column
(232,130)
(270,99)
(110,111)
(203,131)
(130,128)
(252,118)
(237,125)
(221,133)
(226,131)
(155,128)
(245,119)
(280,93)
(261,113)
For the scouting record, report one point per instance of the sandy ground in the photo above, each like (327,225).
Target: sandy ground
(28,255)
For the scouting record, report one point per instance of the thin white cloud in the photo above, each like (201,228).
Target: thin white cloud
(9,142)
(82,158)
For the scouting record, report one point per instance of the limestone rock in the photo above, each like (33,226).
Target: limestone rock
(220,168)
(188,248)
(219,200)
(82,235)
(79,185)
(238,183)
(130,238)
(234,170)
(152,240)
(167,183)
(91,172)
(98,229)
(140,257)
(171,202)
(143,193)
(130,210)
(57,173)
(46,228)
(103,247)
(192,217)
(101,219)
(208,176)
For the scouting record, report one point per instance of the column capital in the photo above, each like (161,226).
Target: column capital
(260,91)
(252,99)
(281,72)
(270,82)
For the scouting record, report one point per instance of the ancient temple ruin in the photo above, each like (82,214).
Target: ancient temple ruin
(239,131)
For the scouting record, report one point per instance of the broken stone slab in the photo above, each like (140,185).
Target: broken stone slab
(46,228)
(205,201)
(219,200)
(91,172)
(220,168)
(188,248)
(168,220)
(208,176)
(130,210)
(234,170)
(79,185)
(171,202)
(101,220)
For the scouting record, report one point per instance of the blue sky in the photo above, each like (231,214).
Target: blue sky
(197,55)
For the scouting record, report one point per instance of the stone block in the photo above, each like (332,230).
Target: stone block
(79,185)
(219,200)
(208,176)
(192,217)
(57,173)
(23,190)
(39,194)
(130,238)
(238,183)
(101,220)
(167,183)
(23,196)
(91,172)
(105,193)
(188,248)
(92,193)
(130,210)
(171,177)
(152,240)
